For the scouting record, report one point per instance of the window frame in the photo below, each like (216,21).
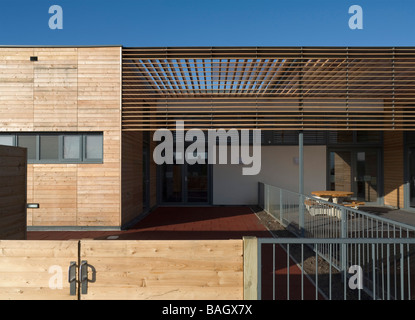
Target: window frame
(39,146)
(14,142)
(62,149)
(84,148)
(60,160)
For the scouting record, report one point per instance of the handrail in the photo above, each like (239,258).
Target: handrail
(352,210)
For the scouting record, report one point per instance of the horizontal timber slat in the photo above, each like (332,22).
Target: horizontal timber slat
(374,84)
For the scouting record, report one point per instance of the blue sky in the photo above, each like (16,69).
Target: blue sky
(208,23)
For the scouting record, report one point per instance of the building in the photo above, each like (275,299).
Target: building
(87,116)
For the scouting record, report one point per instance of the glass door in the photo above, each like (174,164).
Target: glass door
(365,184)
(185,183)
(197,183)
(171,183)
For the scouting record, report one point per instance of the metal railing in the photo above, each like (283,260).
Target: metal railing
(375,269)
(324,219)
(357,236)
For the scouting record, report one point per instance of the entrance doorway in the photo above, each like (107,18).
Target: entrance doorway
(356,171)
(411,178)
(185,183)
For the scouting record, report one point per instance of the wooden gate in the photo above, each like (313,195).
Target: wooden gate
(34,270)
(117,269)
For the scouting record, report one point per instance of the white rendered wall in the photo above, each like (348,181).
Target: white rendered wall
(279,167)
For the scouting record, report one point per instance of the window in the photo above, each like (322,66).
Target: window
(72,147)
(7,140)
(355,137)
(93,149)
(58,147)
(49,147)
(29,142)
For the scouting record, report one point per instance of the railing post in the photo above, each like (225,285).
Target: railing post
(266,198)
(281,206)
(343,246)
(301,215)
(251,269)
(301,182)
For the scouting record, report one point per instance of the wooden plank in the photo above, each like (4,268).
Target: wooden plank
(13,194)
(132,176)
(55,189)
(393,169)
(31,270)
(171,270)
(99,109)
(250,268)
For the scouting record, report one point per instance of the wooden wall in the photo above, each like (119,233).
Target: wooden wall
(13,198)
(342,170)
(67,89)
(393,169)
(165,270)
(153,174)
(128,269)
(132,176)
(36,269)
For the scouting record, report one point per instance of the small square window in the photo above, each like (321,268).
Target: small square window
(7,140)
(49,147)
(71,147)
(30,143)
(93,147)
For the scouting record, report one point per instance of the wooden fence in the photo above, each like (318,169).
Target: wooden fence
(13,177)
(136,269)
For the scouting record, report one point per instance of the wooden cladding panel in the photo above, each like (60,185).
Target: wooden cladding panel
(99,83)
(132,176)
(153,174)
(16,89)
(99,90)
(55,89)
(98,196)
(13,197)
(30,270)
(342,169)
(67,89)
(30,197)
(172,270)
(161,270)
(393,169)
(269,88)
(54,188)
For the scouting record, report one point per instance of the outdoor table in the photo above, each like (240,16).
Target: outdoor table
(333,196)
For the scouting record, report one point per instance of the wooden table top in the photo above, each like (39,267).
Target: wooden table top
(330,193)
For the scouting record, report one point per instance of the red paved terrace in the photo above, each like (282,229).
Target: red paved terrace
(180,223)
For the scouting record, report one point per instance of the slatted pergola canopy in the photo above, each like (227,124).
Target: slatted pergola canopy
(269,88)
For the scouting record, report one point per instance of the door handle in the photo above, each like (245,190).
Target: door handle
(84,276)
(72,278)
